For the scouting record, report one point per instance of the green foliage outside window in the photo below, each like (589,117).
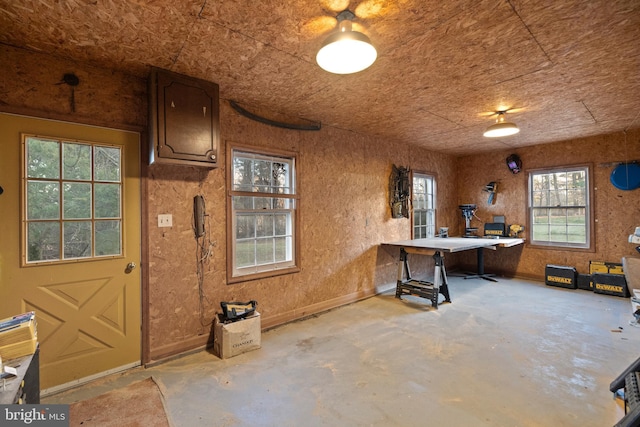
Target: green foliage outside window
(73,200)
(559,202)
(263,217)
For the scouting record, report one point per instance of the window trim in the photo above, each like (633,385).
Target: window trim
(434,177)
(24,246)
(590,209)
(295,268)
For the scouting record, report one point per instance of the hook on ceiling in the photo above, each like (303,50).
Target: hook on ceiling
(71,79)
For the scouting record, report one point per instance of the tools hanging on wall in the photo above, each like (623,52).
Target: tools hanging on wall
(399,192)
(492,189)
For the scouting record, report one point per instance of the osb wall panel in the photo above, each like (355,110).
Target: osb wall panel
(174,295)
(440,165)
(447,213)
(474,56)
(336,208)
(32,83)
(617,212)
(419,160)
(343,180)
(343,183)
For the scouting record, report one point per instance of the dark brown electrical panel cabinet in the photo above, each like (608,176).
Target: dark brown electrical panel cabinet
(184,124)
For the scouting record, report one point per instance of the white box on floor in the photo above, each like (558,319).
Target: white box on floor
(234,338)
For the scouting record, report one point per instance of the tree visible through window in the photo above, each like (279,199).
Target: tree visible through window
(72,200)
(263,212)
(423,198)
(559,207)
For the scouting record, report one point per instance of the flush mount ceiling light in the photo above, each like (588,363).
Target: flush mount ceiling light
(501,127)
(346,51)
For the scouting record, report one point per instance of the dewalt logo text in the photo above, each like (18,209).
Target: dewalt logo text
(557,279)
(610,288)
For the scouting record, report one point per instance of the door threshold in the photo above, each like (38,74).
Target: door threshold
(75,383)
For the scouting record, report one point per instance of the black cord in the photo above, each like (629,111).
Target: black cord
(252,116)
(203,253)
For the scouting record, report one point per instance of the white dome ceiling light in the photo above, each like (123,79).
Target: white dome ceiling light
(501,127)
(346,51)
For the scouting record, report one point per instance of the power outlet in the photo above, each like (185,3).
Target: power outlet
(165,220)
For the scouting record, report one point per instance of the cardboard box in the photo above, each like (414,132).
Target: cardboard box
(561,276)
(610,284)
(234,338)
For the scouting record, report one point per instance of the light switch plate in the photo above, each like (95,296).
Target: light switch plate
(165,220)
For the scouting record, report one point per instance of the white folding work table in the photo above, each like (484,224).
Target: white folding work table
(437,247)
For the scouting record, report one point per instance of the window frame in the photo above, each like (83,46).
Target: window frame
(589,246)
(232,276)
(25,221)
(433,177)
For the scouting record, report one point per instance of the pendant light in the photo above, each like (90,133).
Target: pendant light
(346,51)
(501,127)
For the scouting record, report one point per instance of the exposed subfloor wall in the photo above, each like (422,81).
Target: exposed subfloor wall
(343,185)
(343,181)
(616,213)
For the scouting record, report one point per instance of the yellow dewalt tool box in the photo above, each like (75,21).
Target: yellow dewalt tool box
(560,276)
(605,267)
(610,284)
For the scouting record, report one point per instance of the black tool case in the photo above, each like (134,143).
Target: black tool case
(560,276)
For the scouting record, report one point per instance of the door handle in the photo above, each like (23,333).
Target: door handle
(130,267)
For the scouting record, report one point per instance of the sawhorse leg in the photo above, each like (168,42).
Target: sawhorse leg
(440,282)
(405,285)
(403,266)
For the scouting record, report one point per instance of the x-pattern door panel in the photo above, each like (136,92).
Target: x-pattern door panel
(87,309)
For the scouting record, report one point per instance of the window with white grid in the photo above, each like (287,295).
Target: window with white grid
(423,199)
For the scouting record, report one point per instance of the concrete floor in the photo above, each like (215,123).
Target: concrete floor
(511,353)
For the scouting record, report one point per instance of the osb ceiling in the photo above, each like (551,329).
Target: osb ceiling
(568,68)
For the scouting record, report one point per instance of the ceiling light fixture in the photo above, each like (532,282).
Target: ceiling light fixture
(501,127)
(346,51)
